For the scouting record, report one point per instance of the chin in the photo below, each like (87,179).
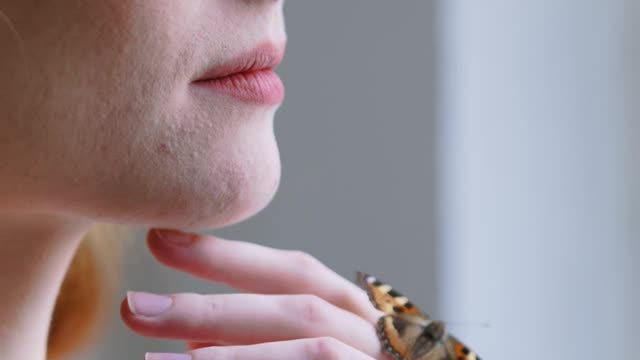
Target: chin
(190,177)
(180,208)
(236,190)
(226,200)
(245,202)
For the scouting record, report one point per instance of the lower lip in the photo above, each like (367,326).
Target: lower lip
(257,87)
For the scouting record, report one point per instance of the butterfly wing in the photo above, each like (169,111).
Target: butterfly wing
(429,345)
(448,348)
(457,350)
(385,298)
(436,352)
(404,330)
(400,335)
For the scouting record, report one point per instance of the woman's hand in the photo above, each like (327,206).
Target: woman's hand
(296,308)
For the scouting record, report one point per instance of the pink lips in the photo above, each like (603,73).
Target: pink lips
(250,77)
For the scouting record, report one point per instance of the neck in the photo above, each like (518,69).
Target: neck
(35,252)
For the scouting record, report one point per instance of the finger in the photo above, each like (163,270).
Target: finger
(300,349)
(241,319)
(259,269)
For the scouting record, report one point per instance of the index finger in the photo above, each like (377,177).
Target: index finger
(258,269)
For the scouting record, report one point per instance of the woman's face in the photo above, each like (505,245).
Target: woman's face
(100,117)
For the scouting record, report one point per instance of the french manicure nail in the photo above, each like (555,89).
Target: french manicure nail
(175,237)
(166,356)
(148,304)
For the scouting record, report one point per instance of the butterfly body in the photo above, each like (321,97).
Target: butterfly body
(406,332)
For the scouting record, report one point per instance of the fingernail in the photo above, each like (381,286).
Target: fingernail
(175,237)
(166,356)
(148,304)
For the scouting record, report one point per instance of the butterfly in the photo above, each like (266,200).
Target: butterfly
(405,331)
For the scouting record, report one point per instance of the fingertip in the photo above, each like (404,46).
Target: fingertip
(169,249)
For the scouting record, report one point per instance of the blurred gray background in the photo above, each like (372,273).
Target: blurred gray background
(356,136)
(482,157)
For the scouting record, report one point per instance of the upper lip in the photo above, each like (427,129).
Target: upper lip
(265,56)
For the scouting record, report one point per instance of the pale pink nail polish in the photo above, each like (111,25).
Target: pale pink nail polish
(166,356)
(148,304)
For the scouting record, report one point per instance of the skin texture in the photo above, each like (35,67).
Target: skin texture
(103,122)
(292,305)
(100,123)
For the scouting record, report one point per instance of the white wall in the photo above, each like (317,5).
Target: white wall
(630,72)
(539,177)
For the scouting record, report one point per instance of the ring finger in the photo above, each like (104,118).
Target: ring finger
(302,349)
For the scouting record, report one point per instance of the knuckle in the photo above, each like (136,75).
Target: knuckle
(311,309)
(304,261)
(325,348)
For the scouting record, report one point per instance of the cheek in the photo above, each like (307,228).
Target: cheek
(98,65)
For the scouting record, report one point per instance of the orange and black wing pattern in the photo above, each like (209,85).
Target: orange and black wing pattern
(458,350)
(385,298)
(405,331)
